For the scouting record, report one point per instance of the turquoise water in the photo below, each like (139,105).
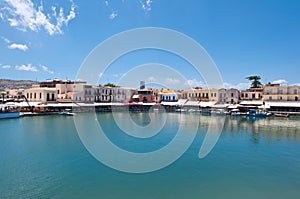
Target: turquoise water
(43,157)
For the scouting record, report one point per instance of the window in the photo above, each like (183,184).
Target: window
(295,91)
(231,94)
(40,95)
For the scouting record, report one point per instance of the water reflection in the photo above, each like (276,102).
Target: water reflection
(269,128)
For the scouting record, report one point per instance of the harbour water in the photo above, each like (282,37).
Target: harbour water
(43,157)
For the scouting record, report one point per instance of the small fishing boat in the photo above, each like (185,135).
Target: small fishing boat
(258,113)
(284,115)
(67,112)
(235,112)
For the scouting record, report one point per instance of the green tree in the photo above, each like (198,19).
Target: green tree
(110,85)
(3,95)
(255,81)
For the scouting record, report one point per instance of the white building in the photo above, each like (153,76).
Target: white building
(43,94)
(166,95)
(76,91)
(115,94)
(229,96)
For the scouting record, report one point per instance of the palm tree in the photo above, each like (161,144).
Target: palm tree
(3,94)
(255,81)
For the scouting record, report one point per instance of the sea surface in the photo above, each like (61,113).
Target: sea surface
(44,157)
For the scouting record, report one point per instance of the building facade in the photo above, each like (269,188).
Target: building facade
(199,94)
(275,92)
(252,94)
(41,94)
(229,96)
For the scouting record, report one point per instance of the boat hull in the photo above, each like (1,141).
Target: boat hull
(5,115)
(281,115)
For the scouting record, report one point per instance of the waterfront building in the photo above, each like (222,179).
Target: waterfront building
(252,94)
(15,93)
(146,95)
(122,94)
(166,95)
(199,94)
(38,94)
(115,94)
(229,96)
(276,92)
(82,92)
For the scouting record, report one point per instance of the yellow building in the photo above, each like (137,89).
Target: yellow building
(199,94)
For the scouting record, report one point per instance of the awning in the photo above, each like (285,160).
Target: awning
(25,104)
(192,103)
(207,104)
(221,106)
(170,103)
(254,103)
(283,104)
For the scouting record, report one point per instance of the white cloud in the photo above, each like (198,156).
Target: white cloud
(18,46)
(146,4)
(239,86)
(172,81)
(280,81)
(27,67)
(24,15)
(5,39)
(6,66)
(152,79)
(194,83)
(45,68)
(113,15)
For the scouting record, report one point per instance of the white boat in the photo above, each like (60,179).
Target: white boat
(67,112)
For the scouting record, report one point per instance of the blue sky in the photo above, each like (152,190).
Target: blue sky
(50,39)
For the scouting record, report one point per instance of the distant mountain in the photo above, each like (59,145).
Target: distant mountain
(15,84)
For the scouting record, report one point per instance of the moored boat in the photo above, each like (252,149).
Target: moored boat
(284,115)
(258,113)
(66,112)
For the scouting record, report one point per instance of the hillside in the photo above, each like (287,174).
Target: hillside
(15,84)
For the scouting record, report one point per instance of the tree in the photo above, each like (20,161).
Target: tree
(255,81)
(110,85)
(3,94)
